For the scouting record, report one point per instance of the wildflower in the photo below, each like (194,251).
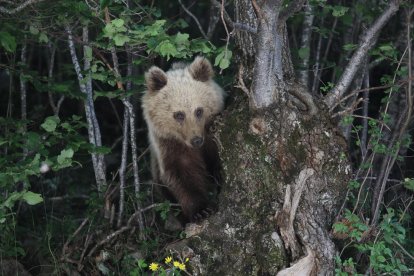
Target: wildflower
(186,260)
(153,267)
(181,266)
(176,264)
(168,260)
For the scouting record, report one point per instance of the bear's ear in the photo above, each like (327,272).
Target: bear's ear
(155,79)
(201,69)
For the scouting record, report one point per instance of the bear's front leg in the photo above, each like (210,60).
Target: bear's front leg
(187,179)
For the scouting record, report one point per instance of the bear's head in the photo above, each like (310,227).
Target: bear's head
(180,102)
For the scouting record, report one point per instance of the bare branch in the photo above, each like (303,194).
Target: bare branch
(19,8)
(367,41)
(93,126)
(122,168)
(400,131)
(195,19)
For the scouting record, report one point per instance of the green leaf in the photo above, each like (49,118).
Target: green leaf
(381,259)
(338,11)
(224,63)
(409,183)
(65,157)
(386,48)
(121,39)
(118,22)
(32,198)
(88,53)
(350,47)
(50,123)
(223,59)
(181,38)
(167,49)
(304,53)
(33,30)
(43,38)
(8,41)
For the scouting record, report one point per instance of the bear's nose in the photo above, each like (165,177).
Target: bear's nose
(197,141)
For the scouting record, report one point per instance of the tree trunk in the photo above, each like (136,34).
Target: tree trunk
(284,167)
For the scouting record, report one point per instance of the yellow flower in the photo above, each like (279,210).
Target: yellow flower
(186,260)
(168,260)
(153,267)
(181,266)
(176,264)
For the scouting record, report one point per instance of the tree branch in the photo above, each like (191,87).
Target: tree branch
(368,39)
(195,19)
(19,8)
(93,127)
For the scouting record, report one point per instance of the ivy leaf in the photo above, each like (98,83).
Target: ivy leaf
(50,123)
(32,198)
(8,41)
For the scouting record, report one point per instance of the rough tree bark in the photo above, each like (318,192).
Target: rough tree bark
(283,178)
(284,165)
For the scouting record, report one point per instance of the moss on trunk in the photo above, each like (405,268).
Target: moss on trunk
(260,155)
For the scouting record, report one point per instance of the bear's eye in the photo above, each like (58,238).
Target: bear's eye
(198,113)
(179,116)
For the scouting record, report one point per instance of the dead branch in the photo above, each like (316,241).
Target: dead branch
(66,245)
(18,8)
(286,217)
(368,39)
(195,19)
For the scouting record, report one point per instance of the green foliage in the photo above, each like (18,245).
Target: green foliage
(7,41)
(51,147)
(381,250)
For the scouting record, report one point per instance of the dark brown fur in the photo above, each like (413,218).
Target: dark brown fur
(190,175)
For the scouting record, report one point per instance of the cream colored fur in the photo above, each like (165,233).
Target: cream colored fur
(181,93)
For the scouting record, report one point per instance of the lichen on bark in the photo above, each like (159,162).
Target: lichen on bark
(262,153)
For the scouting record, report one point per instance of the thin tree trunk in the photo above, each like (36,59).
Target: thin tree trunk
(85,86)
(305,43)
(23,93)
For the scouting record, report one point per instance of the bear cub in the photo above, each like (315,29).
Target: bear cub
(178,107)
